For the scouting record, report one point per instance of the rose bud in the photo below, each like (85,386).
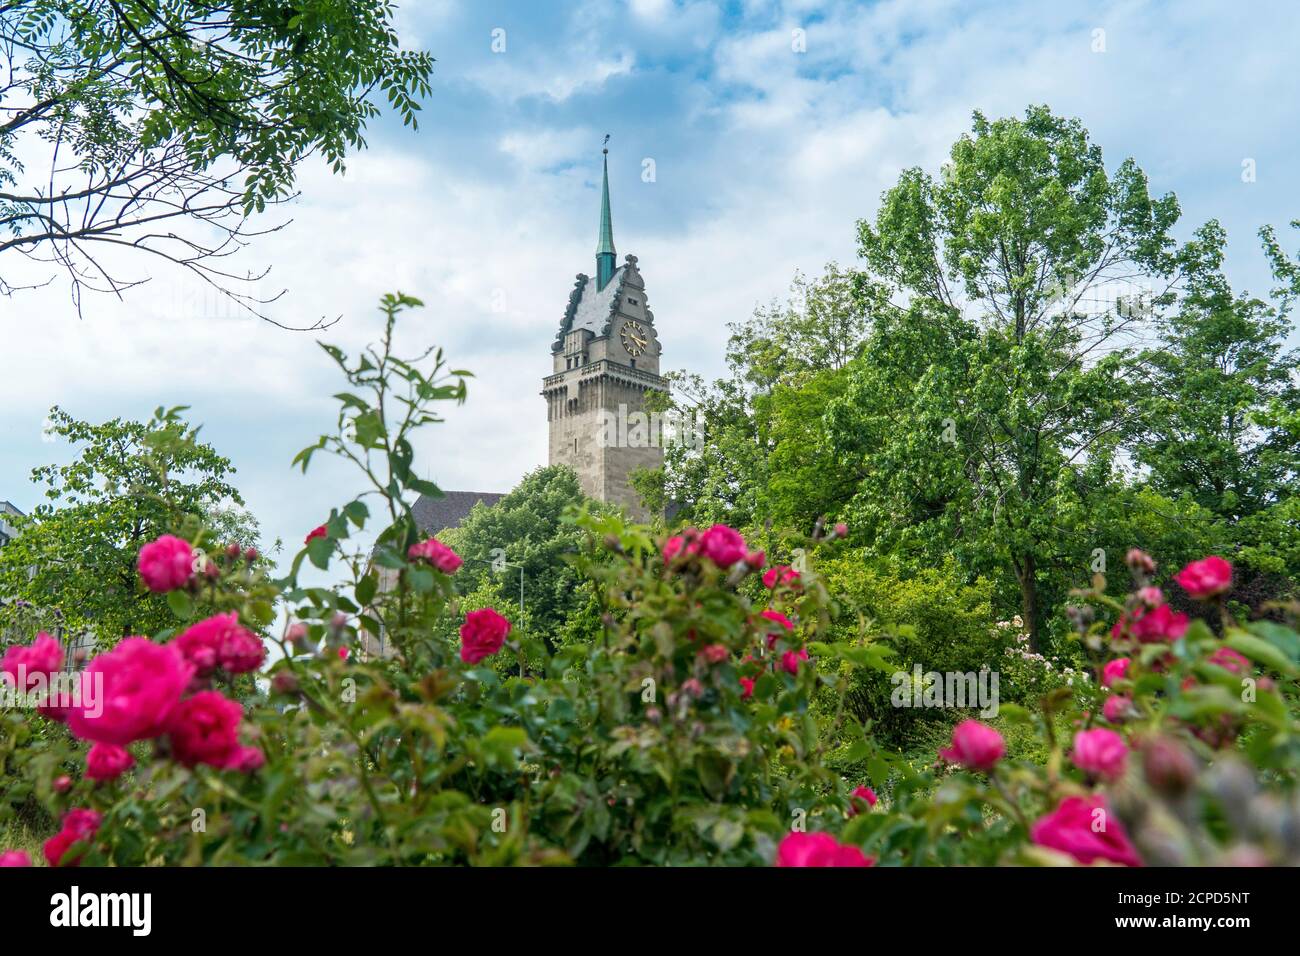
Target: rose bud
(284,682)
(1140,562)
(250,555)
(233,550)
(1168,765)
(841,530)
(62,783)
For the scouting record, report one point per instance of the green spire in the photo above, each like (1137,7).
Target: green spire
(605,244)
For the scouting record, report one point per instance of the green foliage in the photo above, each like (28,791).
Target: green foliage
(644,744)
(73,559)
(525,530)
(933,619)
(171,123)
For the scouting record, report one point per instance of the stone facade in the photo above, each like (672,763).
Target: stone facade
(605,361)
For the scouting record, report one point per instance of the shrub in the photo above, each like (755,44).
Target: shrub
(696,727)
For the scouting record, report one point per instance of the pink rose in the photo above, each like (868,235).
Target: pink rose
(314,533)
(79,826)
(859,796)
(1206,578)
(45,657)
(482,635)
(841,530)
(685,543)
(747,687)
(1151,596)
(14,858)
(1152,626)
(246,760)
(1140,561)
(756,559)
(715,653)
(781,574)
(790,660)
(1114,670)
(241,651)
(818,849)
(205,729)
(1230,660)
(436,553)
(975,746)
(220,640)
(142,683)
(1085,829)
(776,617)
(108,762)
(343,653)
(166,564)
(723,546)
(1100,752)
(1117,708)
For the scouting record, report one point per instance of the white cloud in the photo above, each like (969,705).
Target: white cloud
(765,162)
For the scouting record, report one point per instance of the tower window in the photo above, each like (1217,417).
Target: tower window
(631,301)
(575,446)
(634,363)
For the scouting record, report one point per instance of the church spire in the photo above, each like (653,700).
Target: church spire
(605,244)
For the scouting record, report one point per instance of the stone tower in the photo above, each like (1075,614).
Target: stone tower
(604,361)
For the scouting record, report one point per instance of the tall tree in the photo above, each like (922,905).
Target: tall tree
(155,129)
(1221,378)
(525,531)
(130,482)
(1019,254)
(762,459)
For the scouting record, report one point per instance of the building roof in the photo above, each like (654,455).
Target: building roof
(438,514)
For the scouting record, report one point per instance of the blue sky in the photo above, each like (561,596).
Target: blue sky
(764,156)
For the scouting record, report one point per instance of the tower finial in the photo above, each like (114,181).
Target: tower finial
(605,243)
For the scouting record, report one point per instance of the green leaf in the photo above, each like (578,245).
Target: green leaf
(1260,651)
(181,603)
(366,588)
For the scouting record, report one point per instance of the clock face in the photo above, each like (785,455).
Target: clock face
(634,337)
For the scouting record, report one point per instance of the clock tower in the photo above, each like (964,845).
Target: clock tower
(605,360)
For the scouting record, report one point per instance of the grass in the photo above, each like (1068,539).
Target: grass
(15,836)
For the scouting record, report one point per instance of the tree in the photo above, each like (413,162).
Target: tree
(1220,379)
(762,460)
(158,129)
(526,529)
(131,482)
(1019,256)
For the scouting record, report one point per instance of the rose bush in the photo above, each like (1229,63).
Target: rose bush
(705,723)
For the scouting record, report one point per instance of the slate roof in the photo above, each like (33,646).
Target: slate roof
(438,514)
(590,308)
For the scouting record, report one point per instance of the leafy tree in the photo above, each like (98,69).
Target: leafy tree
(130,483)
(763,462)
(1222,380)
(525,529)
(1008,415)
(160,127)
